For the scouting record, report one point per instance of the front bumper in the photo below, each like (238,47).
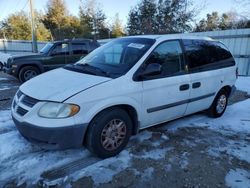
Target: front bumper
(10,71)
(59,137)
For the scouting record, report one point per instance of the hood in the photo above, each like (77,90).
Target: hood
(28,56)
(60,84)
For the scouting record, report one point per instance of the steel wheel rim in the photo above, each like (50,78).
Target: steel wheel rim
(221,103)
(29,74)
(113,134)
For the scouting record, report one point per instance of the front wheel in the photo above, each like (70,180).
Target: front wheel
(109,133)
(219,104)
(28,72)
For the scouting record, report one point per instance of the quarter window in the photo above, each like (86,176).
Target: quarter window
(207,55)
(169,55)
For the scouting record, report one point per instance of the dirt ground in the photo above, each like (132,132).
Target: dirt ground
(191,157)
(186,162)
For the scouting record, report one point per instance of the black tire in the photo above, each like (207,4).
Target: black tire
(23,73)
(215,111)
(96,129)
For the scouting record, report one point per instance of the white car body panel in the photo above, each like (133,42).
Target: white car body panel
(160,92)
(210,82)
(52,86)
(118,91)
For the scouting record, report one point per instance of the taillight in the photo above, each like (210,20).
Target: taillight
(237,72)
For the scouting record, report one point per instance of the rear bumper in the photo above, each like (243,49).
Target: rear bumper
(59,137)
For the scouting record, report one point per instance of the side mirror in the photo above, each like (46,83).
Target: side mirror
(151,70)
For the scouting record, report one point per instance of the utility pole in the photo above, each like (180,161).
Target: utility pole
(185,12)
(33,29)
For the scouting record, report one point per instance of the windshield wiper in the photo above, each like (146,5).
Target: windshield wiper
(77,68)
(96,69)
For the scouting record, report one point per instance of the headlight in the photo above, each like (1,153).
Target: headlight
(58,110)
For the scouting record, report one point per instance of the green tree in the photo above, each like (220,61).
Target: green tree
(201,26)
(147,9)
(174,16)
(142,18)
(85,22)
(161,17)
(134,22)
(18,26)
(229,20)
(213,21)
(42,33)
(59,22)
(117,29)
(92,20)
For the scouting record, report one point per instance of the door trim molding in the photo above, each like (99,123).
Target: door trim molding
(163,107)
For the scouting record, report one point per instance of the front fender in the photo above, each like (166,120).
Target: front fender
(21,64)
(90,110)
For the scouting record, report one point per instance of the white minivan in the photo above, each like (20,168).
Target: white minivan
(122,87)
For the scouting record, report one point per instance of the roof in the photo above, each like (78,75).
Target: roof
(172,36)
(74,40)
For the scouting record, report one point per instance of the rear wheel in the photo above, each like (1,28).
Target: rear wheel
(109,133)
(219,104)
(28,72)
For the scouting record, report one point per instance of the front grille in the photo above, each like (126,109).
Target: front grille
(21,111)
(29,101)
(25,101)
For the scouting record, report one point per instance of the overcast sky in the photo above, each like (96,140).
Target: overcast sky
(111,7)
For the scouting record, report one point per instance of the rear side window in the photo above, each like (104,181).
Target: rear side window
(207,55)
(80,48)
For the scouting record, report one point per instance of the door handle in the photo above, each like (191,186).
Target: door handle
(184,87)
(196,85)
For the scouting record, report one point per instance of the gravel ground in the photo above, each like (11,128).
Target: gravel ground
(187,162)
(8,87)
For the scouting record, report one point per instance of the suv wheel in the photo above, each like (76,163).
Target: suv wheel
(28,72)
(219,104)
(109,133)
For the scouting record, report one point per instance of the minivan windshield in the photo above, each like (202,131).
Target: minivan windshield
(46,48)
(115,58)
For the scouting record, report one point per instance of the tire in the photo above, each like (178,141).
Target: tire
(28,72)
(99,134)
(219,104)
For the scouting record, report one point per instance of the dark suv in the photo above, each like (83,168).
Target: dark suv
(52,55)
